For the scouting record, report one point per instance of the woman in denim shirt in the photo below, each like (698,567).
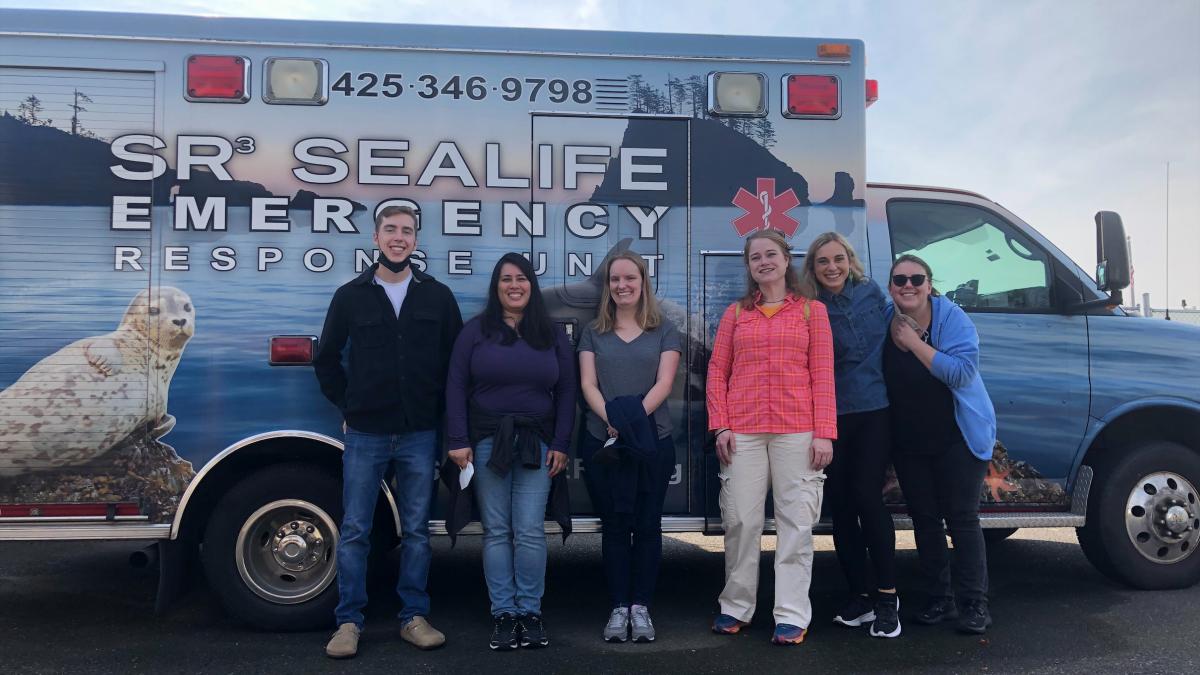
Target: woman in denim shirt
(854,487)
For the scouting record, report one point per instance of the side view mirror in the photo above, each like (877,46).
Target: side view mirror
(1112,253)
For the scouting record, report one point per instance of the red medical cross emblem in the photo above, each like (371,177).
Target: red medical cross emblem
(766,210)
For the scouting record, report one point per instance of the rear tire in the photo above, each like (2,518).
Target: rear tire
(269,548)
(1143,519)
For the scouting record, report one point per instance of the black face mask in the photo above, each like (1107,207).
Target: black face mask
(395,267)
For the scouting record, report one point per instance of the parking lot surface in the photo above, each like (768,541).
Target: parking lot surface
(80,607)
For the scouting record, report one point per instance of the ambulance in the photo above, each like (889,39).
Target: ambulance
(180,196)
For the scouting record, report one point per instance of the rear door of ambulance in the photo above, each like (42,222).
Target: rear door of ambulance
(64,389)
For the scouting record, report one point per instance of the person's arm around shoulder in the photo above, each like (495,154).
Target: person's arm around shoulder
(824,395)
(458,378)
(669,351)
(327,363)
(564,402)
(956,361)
(716,394)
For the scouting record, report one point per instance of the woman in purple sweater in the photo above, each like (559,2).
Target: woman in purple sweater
(510,408)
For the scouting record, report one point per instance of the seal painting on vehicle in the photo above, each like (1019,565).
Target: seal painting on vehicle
(151,173)
(84,423)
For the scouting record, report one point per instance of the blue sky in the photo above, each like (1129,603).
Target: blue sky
(1055,109)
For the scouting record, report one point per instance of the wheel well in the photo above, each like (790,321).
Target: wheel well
(1158,423)
(252,457)
(247,459)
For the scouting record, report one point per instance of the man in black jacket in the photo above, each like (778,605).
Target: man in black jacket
(401,324)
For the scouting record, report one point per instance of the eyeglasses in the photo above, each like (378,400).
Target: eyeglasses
(899,280)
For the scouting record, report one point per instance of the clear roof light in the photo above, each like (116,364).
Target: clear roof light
(295,81)
(743,94)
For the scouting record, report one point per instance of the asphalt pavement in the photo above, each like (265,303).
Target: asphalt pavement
(79,607)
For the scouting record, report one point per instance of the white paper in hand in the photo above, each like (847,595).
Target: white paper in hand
(464,476)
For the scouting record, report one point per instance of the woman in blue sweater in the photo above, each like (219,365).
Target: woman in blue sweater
(943,430)
(510,408)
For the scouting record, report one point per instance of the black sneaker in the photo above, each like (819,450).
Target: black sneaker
(533,631)
(974,618)
(858,612)
(937,611)
(505,633)
(887,616)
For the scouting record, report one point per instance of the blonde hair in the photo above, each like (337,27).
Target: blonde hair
(647,314)
(808,275)
(791,279)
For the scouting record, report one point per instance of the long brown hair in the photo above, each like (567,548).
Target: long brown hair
(790,277)
(647,314)
(808,275)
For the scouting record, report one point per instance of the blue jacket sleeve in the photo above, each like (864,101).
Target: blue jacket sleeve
(956,362)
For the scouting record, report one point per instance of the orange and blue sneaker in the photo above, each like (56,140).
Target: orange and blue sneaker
(787,634)
(727,625)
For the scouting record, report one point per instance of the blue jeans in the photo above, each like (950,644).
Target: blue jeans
(364,464)
(513,511)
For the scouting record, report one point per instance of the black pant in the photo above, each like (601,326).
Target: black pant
(854,492)
(946,485)
(631,544)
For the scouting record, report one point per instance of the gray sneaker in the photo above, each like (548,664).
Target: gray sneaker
(643,627)
(617,629)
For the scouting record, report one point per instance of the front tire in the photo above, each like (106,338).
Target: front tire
(270,548)
(1143,519)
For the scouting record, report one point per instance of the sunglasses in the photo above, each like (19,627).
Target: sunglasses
(899,280)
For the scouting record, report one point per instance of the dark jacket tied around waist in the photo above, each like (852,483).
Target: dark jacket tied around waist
(514,437)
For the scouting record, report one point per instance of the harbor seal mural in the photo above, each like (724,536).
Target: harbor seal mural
(101,403)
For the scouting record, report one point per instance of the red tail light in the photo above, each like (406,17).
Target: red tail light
(222,79)
(812,96)
(292,350)
(872,91)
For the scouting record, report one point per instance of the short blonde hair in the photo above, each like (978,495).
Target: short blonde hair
(648,314)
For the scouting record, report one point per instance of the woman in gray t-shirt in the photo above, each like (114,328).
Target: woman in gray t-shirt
(629,350)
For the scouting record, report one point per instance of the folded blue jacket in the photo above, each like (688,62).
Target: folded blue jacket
(636,446)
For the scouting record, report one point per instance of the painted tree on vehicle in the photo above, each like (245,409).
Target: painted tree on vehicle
(690,96)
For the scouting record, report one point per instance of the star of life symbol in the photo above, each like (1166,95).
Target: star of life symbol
(766,210)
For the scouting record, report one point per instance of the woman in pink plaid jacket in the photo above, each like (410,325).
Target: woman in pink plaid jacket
(772,408)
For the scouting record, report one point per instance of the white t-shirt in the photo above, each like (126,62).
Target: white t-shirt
(396,292)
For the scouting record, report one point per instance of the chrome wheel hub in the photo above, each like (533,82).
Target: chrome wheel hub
(284,551)
(1162,517)
(298,546)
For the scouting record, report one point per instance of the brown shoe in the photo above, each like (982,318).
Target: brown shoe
(422,635)
(344,643)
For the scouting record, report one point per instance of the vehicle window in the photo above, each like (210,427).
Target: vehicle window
(979,260)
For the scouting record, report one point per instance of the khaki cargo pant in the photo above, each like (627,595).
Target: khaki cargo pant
(783,463)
